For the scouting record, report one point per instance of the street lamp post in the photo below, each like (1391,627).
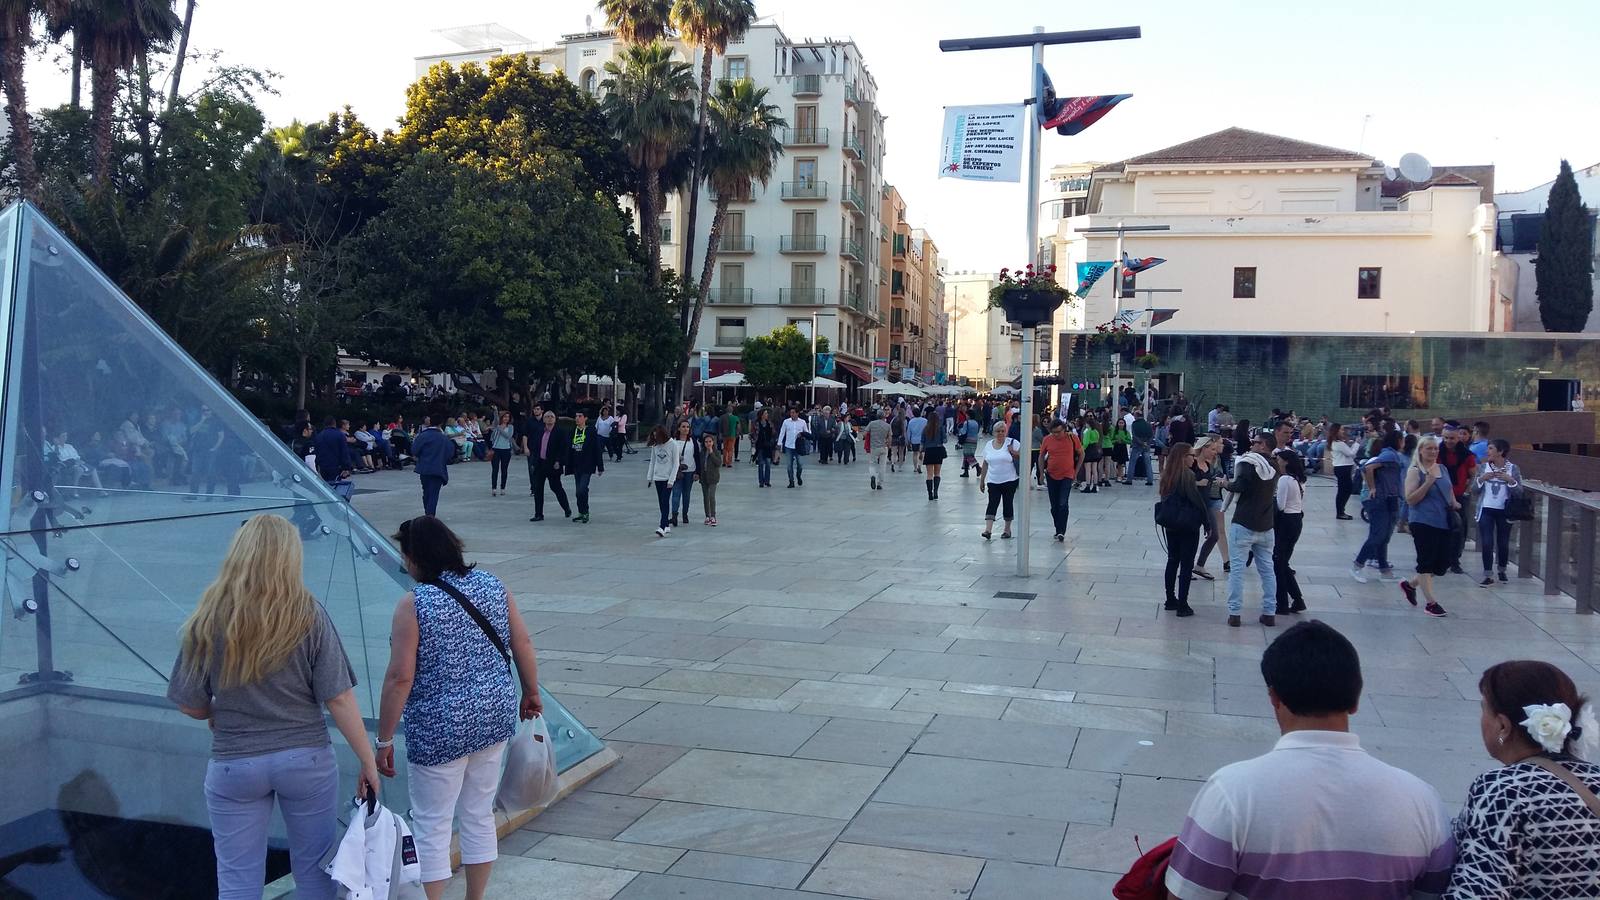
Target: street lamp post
(1037,41)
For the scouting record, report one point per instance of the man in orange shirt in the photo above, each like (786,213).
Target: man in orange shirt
(1059,455)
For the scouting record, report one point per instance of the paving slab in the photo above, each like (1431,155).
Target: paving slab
(1059,795)
(963,833)
(739,832)
(1017,881)
(747,730)
(749,870)
(753,781)
(882,873)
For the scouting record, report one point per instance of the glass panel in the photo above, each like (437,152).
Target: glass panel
(128,469)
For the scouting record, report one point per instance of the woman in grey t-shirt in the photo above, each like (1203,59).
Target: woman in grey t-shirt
(260,659)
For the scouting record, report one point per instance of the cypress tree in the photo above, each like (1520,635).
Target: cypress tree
(1565,263)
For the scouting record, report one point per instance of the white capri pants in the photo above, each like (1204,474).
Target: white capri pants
(462,787)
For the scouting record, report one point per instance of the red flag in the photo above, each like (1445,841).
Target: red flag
(1074,114)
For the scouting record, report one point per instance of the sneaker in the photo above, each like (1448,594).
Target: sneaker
(1435,610)
(874,481)
(1359,573)
(1202,573)
(669,529)
(1299,606)
(1344,518)
(1410,591)
(1501,575)
(1170,605)
(661,532)
(1457,570)
(1487,581)
(1233,621)
(1061,538)
(1185,611)
(713,522)
(1269,621)
(1387,575)
(537,519)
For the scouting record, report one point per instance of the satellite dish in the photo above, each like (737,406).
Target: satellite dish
(588,23)
(1389,173)
(1416,168)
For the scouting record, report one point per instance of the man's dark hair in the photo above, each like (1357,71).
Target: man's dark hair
(1501,444)
(330,422)
(1481,428)
(1314,670)
(1392,440)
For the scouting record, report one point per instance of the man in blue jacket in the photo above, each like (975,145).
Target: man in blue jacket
(332,449)
(433,452)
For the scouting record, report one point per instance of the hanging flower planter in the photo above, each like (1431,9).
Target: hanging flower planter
(1029,297)
(1118,337)
(1148,361)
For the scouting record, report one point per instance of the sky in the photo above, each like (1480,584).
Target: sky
(1464,82)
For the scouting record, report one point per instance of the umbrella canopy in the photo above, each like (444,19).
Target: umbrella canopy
(879,385)
(905,390)
(604,380)
(729,379)
(820,382)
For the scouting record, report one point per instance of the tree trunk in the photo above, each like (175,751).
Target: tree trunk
(650,226)
(103,119)
(300,385)
(697,310)
(77,74)
(12,65)
(695,173)
(183,50)
(141,98)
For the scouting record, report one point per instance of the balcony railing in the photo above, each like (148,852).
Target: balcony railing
(850,249)
(745,196)
(736,243)
(853,145)
(852,198)
(851,96)
(805,137)
(803,243)
(731,296)
(807,85)
(802,296)
(805,190)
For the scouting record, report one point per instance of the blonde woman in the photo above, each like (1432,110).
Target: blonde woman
(260,659)
(1432,505)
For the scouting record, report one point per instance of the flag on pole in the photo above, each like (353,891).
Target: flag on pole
(1071,115)
(825,364)
(1157,316)
(1089,273)
(1129,264)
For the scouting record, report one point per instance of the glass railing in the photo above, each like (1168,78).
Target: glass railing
(802,296)
(854,145)
(736,243)
(852,197)
(731,296)
(851,249)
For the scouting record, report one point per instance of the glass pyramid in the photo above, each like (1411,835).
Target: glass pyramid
(115,517)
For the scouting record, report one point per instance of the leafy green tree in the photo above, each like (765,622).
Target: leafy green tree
(1565,266)
(646,102)
(709,25)
(780,359)
(638,22)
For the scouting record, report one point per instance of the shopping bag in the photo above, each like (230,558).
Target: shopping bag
(529,779)
(376,858)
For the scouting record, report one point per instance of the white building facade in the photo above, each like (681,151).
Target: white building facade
(1270,234)
(804,247)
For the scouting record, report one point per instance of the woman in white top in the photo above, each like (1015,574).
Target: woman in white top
(997,475)
(683,486)
(661,472)
(1496,481)
(1344,447)
(1286,526)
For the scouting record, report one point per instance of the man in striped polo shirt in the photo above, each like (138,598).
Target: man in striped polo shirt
(1317,818)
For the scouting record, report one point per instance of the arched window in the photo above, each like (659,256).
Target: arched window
(589,82)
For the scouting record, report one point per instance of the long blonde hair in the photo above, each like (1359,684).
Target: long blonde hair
(257,611)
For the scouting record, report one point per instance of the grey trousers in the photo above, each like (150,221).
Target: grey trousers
(239,797)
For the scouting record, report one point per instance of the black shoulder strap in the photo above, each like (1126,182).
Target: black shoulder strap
(478,617)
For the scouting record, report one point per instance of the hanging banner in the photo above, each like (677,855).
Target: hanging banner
(825,364)
(880,368)
(1089,273)
(908,374)
(1071,115)
(983,143)
(705,364)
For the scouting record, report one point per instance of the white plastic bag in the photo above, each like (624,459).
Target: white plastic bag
(530,778)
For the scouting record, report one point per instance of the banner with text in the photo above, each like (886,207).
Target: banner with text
(983,143)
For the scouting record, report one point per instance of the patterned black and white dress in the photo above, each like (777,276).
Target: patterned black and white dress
(1526,834)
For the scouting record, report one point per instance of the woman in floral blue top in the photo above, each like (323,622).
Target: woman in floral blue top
(454,683)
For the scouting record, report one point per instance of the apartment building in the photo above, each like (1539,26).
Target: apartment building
(797,250)
(916,329)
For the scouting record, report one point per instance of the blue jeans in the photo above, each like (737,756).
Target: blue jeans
(681,489)
(1381,512)
(1241,541)
(796,467)
(239,797)
(430,493)
(1135,454)
(581,488)
(763,467)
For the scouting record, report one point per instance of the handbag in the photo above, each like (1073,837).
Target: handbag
(478,617)
(1175,512)
(1519,507)
(1146,879)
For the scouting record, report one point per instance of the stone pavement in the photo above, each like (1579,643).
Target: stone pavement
(848,693)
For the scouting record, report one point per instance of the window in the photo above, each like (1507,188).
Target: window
(1394,391)
(1369,282)
(805,223)
(805,118)
(1244,282)
(730,332)
(805,171)
(803,276)
(732,281)
(590,84)
(666,229)
(733,224)
(738,67)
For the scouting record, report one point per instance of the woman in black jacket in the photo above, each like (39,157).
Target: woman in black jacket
(764,437)
(1177,478)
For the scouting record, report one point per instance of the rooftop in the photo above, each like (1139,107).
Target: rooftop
(1241,145)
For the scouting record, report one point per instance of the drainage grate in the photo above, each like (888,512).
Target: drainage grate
(1014,595)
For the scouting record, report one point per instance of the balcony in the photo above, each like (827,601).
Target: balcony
(745,196)
(805,137)
(850,250)
(808,85)
(805,190)
(736,243)
(854,146)
(731,296)
(851,96)
(803,243)
(802,296)
(852,198)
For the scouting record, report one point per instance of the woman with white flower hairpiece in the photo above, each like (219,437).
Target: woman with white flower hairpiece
(1531,829)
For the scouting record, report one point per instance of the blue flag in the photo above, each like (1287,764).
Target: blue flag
(1089,273)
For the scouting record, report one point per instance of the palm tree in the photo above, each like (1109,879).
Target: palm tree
(646,101)
(709,25)
(638,22)
(115,35)
(16,31)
